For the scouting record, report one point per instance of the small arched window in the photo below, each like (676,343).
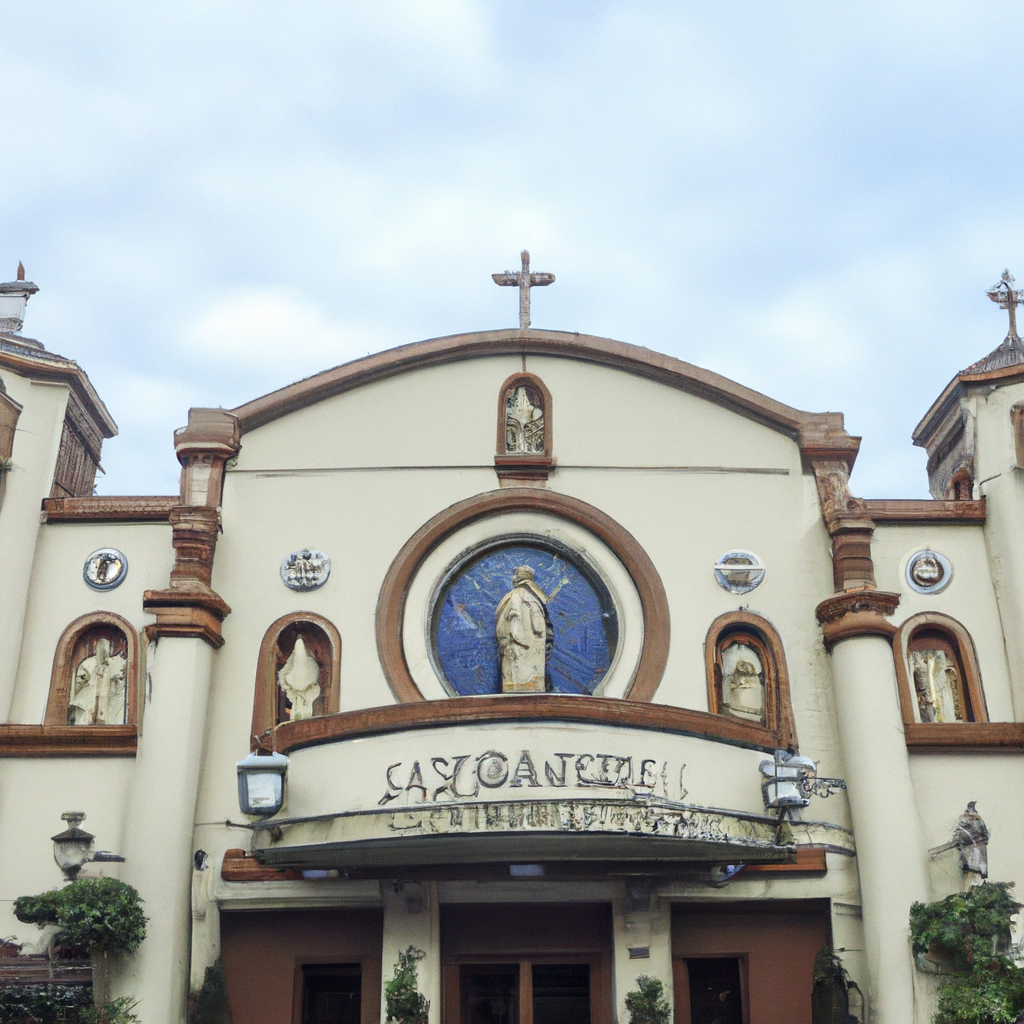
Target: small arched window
(298,672)
(746,673)
(524,448)
(937,670)
(95,673)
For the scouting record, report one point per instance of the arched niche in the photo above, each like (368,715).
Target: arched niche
(298,673)
(95,675)
(937,671)
(524,449)
(747,678)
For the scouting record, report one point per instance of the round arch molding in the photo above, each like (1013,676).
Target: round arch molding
(653,600)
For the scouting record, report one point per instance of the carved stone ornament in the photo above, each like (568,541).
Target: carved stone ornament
(928,572)
(305,570)
(105,569)
(739,572)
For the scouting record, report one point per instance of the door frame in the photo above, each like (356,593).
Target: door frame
(681,984)
(600,981)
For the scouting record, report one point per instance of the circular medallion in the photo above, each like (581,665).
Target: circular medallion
(305,570)
(928,572)
(739,572)
(522,615)
(105,569)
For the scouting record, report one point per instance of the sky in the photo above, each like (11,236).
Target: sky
(217,198)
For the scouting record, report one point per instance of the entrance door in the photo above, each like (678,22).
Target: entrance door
(522,963)
(538,990)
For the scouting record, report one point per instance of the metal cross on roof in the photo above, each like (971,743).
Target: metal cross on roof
(1009,299)
(524,280)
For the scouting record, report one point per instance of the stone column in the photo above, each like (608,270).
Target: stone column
(412,918)
(159,834)
(642,933)
(891,851)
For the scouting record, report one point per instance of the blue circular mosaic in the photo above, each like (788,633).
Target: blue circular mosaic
(582,615)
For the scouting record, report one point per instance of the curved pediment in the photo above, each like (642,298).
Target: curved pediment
(631,359)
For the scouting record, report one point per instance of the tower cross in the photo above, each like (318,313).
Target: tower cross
(1009,299)
(524,280)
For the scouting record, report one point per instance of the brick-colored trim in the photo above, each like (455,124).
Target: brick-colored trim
(110,509)
(68,740)
(857,613)
(537,707)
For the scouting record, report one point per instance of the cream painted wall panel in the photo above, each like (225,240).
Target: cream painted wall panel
(944,783)
(33,795)
(605,417)
(685,522)
(969,598)
(442,415)
(59,594)
(361,520)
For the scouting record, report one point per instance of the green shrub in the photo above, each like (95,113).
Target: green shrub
(983,986)
(211,1004)
(405,1003)
(93,914)
(647,1003)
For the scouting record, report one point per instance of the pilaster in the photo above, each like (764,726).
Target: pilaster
(412,918)
(642,934)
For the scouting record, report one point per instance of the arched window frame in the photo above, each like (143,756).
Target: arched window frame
(517,467)
(778,706)
(64,667)
(264,712)
(967,656)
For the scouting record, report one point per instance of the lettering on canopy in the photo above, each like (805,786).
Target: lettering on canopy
(468,776)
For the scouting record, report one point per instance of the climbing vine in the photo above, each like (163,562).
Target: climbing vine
(968,932)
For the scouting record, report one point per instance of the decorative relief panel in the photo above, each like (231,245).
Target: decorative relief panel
(522,615)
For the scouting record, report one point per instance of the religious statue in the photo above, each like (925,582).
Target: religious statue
(971,837)
(524,633)
(299,679)
(98,693)
(524,422)
(937,685)
(742,686)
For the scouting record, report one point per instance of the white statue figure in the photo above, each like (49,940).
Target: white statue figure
(299,679)
(937,684)
(524,634)
(742,690)
(98,693)
(524,424)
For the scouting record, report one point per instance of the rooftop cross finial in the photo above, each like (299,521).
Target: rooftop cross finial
(21,271)
(524,280)
(1009,299)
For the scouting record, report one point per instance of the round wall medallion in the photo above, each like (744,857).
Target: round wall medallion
(522,615)
(105,569)
(739,572)
(305,570)
(928,572)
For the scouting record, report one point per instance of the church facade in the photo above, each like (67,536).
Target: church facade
(615,678)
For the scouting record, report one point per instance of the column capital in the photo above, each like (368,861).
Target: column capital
(857,613)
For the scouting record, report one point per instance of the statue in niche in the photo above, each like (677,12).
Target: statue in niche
(937,686)
(525,636)
(524,422)
(742,682)
(299,680)
(98,691)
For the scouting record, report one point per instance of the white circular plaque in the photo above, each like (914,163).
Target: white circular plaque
(105,569)
(739,572)
(928,572)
